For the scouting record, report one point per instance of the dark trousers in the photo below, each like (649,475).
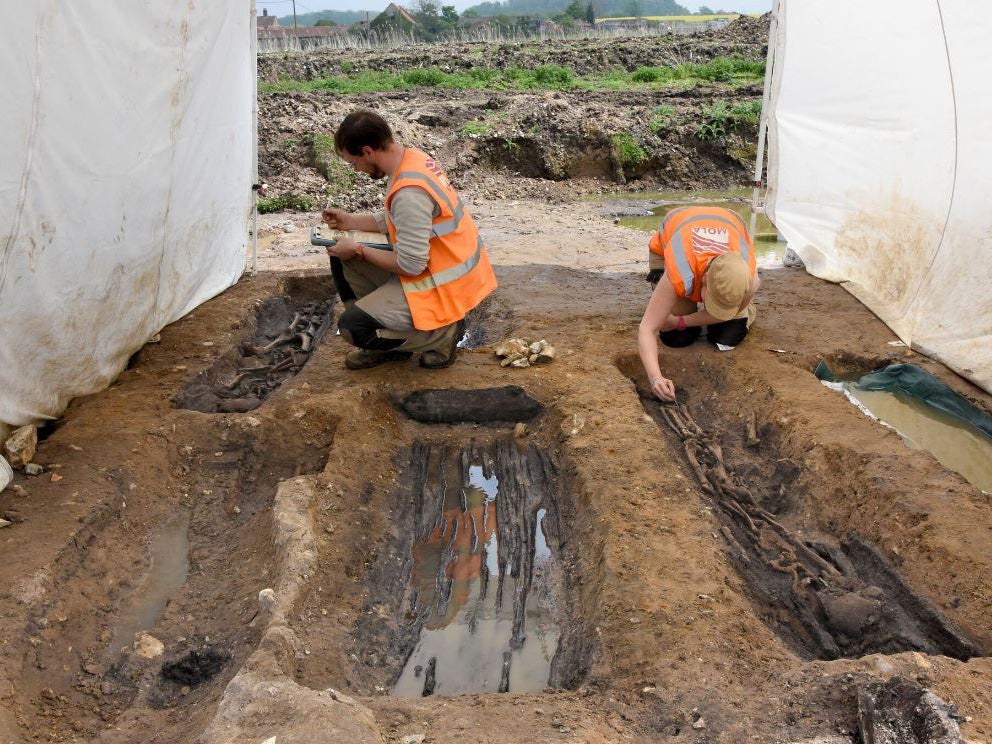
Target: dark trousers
(728,333)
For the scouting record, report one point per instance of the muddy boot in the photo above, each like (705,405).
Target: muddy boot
(364,358)
(447,349)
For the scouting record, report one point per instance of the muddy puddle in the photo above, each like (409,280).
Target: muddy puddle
(955,445)
(472,598)
(827,596)
(168,566)
(644,211)
(277,343)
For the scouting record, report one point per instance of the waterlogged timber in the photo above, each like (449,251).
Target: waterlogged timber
(480,602)
(489,624)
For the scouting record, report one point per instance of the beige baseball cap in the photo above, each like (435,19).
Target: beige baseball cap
(728,280)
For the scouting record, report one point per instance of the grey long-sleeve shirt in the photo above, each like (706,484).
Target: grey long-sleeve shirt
(413,212)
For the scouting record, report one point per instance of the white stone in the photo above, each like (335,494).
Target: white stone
(148,646)
(413,739)
(699,724)
(6,474)
(266,600)
(21,445)
(33,468)
(514,347)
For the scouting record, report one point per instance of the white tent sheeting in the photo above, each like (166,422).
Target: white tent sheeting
(125,183)
(880,163)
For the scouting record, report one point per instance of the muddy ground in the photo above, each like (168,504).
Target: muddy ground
(671,638)
(550,145)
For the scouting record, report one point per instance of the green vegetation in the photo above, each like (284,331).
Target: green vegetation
(661,118)
(554,76)
(719,119)
(728,70)
(626,150)
(324,158)
(476,128)
(300,202)
(553,7)
(749,113)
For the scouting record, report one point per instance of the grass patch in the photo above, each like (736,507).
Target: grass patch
(324,158)
(661,118)
(730,70)
(749,113)
(300,202)
(476,128)
(719,118)
(627,151)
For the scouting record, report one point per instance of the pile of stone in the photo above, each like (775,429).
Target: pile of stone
(18,450)
(516,352)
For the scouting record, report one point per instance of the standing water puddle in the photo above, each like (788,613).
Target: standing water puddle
(653,206)
(956,445)
(485,576)
(167,570)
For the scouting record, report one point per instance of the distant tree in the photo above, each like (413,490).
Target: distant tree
(325,22)
(427,8)
(470,13)
(634,8)
(590,14)
(449,15)
(704,10)
(575,10)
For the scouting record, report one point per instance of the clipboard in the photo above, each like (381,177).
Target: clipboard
(324,236)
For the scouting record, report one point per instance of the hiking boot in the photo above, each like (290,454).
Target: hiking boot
(365,358)
(445,355)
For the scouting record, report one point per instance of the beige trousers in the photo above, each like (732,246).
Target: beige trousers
(380,295)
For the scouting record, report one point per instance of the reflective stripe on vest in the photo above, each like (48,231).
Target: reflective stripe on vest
(458,275)
(444,227)
(679,250)
(433,281)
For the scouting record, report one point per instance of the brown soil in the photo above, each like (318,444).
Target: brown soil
(672,626)
(671,639)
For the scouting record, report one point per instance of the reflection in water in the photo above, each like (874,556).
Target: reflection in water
(956,446)
(767,243)
(467,585)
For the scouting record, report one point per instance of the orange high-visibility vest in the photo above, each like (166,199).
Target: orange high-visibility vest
(691,237)
(458,275)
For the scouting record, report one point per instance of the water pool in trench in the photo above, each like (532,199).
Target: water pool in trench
(769,245)
(485,578)
(954,444)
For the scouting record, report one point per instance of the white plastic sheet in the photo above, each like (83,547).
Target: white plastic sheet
(880,163)
(125,183)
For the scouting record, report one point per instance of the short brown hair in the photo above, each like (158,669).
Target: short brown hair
(361,128)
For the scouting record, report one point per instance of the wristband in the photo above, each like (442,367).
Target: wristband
(680,323)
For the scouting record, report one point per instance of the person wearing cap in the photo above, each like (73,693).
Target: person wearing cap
(708,259)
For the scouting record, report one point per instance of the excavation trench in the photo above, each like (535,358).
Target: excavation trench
(276,342)
(473,594)
(144,626)
(827,596)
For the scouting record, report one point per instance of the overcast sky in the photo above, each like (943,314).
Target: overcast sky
(285,7)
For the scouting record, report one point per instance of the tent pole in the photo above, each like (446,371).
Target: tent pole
(759,161)
(254,140)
